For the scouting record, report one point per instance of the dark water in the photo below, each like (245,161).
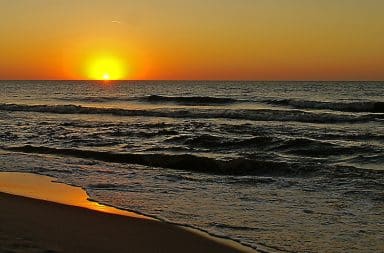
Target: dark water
(283,166)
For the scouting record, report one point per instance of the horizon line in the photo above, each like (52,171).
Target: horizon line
(201,80)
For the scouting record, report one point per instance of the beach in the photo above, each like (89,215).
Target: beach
(192,126)
(31,225)
(276,166)
(35,225)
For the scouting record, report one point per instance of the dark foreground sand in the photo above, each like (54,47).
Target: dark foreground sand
(31,225)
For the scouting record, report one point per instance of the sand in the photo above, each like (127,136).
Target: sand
(31,225)
(52,217)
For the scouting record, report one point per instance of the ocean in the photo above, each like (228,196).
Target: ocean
(278,166)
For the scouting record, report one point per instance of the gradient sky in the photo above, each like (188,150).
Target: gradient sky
(194,39)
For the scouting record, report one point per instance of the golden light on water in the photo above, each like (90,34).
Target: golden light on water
(106,68)
(43,187)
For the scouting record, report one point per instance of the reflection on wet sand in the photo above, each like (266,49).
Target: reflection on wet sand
(45,188)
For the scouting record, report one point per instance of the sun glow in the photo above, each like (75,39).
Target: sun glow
(106,68)
(106,76)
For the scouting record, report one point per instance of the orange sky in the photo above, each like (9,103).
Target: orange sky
(172,39)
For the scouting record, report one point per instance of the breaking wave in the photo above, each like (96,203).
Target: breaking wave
(238,166)
(235,167)
(240,114)
(304,147)
(369,106)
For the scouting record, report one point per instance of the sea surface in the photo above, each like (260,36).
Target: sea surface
(278,166)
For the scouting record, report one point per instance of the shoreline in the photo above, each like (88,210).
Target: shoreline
(33,219)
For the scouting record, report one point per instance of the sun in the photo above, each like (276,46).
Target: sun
(106,68)
(106,76)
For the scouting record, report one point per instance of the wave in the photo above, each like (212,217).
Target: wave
(240,114)
(212,141)
(303,147)
(235,167)
(238,166)
(368,106)
(242,169)
(197,100)
(317,148)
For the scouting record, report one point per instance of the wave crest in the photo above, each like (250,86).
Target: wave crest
(240,114)
(368,106)
(238,166)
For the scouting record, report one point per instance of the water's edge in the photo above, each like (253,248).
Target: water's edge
(126,212)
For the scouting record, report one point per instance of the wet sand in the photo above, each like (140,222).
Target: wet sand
(33,225)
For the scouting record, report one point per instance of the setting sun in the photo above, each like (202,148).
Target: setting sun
(106,76)
(106,68)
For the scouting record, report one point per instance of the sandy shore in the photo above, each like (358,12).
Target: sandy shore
(30,225)
(55,217)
